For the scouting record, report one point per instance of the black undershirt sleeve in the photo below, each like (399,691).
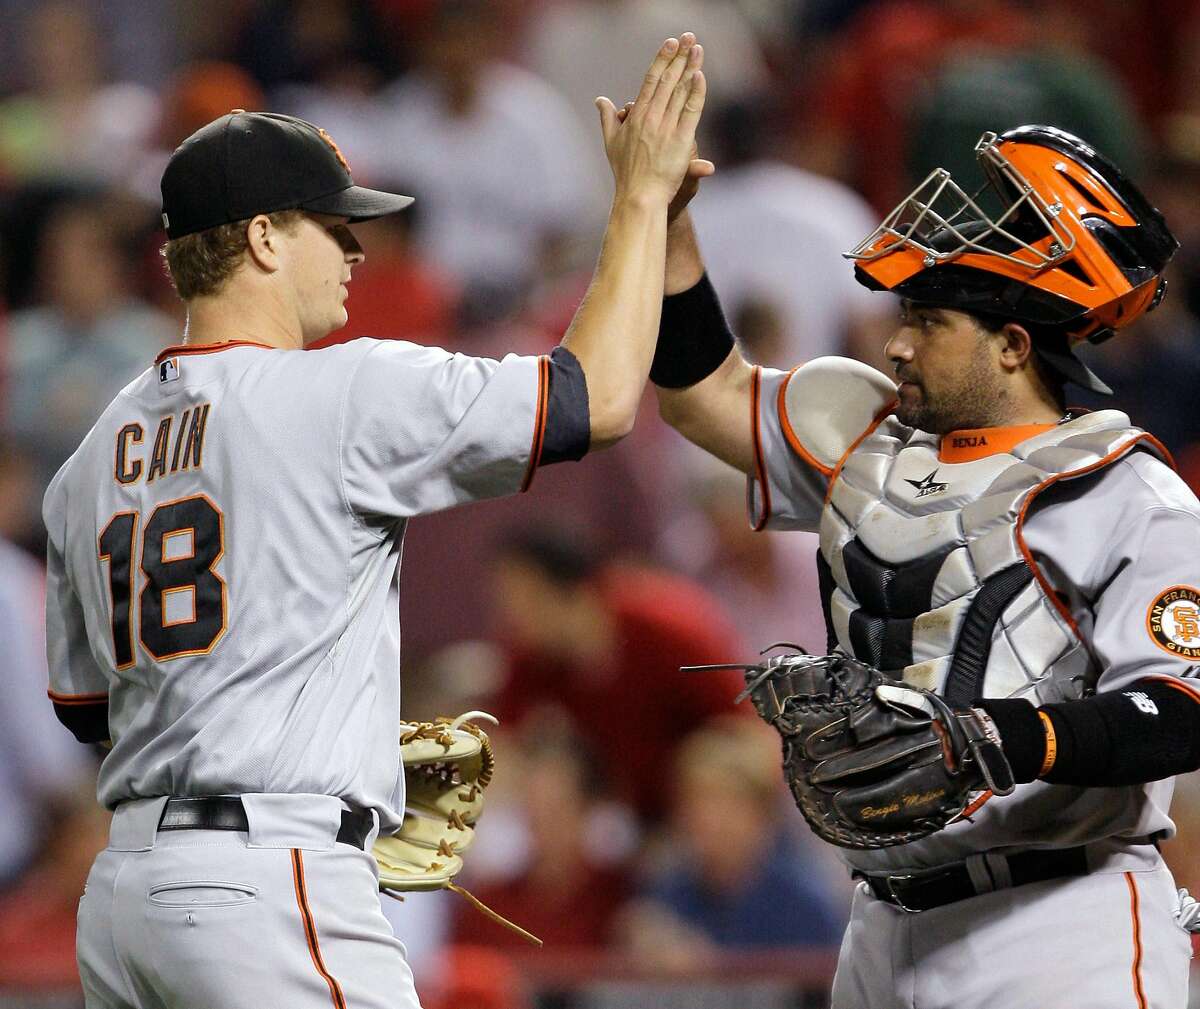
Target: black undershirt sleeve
(1145,732)
(87,722)
(568,418)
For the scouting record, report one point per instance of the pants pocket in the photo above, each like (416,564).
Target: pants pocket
(201,893)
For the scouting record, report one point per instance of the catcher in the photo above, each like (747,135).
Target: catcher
(1011,590)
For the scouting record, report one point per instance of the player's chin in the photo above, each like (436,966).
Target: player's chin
(911,404)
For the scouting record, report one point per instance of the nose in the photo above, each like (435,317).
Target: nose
(899,348)
(354,251)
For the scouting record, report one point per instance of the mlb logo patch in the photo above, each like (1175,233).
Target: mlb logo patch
(168,371)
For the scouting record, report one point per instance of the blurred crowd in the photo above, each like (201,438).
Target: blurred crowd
(636,809)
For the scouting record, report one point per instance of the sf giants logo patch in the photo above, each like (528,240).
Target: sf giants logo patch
(334,147)
(1173,621)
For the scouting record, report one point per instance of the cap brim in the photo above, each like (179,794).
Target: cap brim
(359,204)
(1073,369)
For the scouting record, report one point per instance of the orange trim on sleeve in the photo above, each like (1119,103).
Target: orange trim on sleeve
(539,422)
(1063,610)
(78,699)
(1051,745)
(209,348)
(789,432)
(760,468)
(310,930)
(837,470)
(1138,991)
(1180,685)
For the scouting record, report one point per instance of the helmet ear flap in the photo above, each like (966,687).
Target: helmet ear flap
(1126,308)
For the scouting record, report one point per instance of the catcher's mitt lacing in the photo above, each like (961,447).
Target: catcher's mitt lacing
(437,730)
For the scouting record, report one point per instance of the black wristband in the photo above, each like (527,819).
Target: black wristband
(1146,732)
(693,337)
(1022,736)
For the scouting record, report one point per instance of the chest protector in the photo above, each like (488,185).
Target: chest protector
(924,571)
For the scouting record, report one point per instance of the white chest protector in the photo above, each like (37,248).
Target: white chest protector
(925,573)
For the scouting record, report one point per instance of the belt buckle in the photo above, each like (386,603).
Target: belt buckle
(890,883)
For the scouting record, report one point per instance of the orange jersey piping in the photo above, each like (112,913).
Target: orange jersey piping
(837,470)
(760,467)
(77,699)
(539,422)
(1180,685)
(1062,608)
(310,930)
(209,348)
(789,432)
(1138,991)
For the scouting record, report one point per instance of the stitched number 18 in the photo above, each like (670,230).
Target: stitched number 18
(181,607)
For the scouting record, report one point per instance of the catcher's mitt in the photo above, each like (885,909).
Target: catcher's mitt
(872,762)
(447,765)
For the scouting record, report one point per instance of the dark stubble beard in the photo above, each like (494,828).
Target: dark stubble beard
(975,400)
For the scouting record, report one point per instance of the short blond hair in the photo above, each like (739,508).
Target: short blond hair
(200,263)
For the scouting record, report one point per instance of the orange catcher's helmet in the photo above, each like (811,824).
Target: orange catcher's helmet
(1057,237)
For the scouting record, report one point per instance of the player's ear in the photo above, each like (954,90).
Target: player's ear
(1016,345)
(262,241)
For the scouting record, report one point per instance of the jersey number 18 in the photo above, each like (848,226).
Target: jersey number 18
(181,545)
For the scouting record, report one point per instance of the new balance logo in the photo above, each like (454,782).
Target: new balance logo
(929,485)
(1144,704)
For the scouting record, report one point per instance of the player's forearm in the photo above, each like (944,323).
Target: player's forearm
(614,331)
(702,382)
(715,413)
(1147,732)
(685,265)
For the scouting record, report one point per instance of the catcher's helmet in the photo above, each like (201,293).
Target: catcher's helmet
(1073,245)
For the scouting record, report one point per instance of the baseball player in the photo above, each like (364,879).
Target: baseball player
(1036,566)
(224,550)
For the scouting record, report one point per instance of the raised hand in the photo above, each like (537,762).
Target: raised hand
(698,168)
(651,146)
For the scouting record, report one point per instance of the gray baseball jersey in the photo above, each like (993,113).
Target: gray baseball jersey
(224,550)
(1108,547)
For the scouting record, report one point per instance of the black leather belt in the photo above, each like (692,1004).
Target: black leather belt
(925,890)
(226,812)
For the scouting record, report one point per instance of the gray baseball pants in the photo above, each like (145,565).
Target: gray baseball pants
(1108,940)
(279,917)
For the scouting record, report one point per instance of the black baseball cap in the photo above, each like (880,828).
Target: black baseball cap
(248,163)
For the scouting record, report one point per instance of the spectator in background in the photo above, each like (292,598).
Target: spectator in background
(20,510)
(196,95)
(504,173)
(999,69)
(768,582)
(586,48)
(333,44)
(773,237)
(569,887)
(85,337)
(977,90)
(50,827)
(1155,375)
(478,977)
(602,644)
(68,120)
(732,875)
